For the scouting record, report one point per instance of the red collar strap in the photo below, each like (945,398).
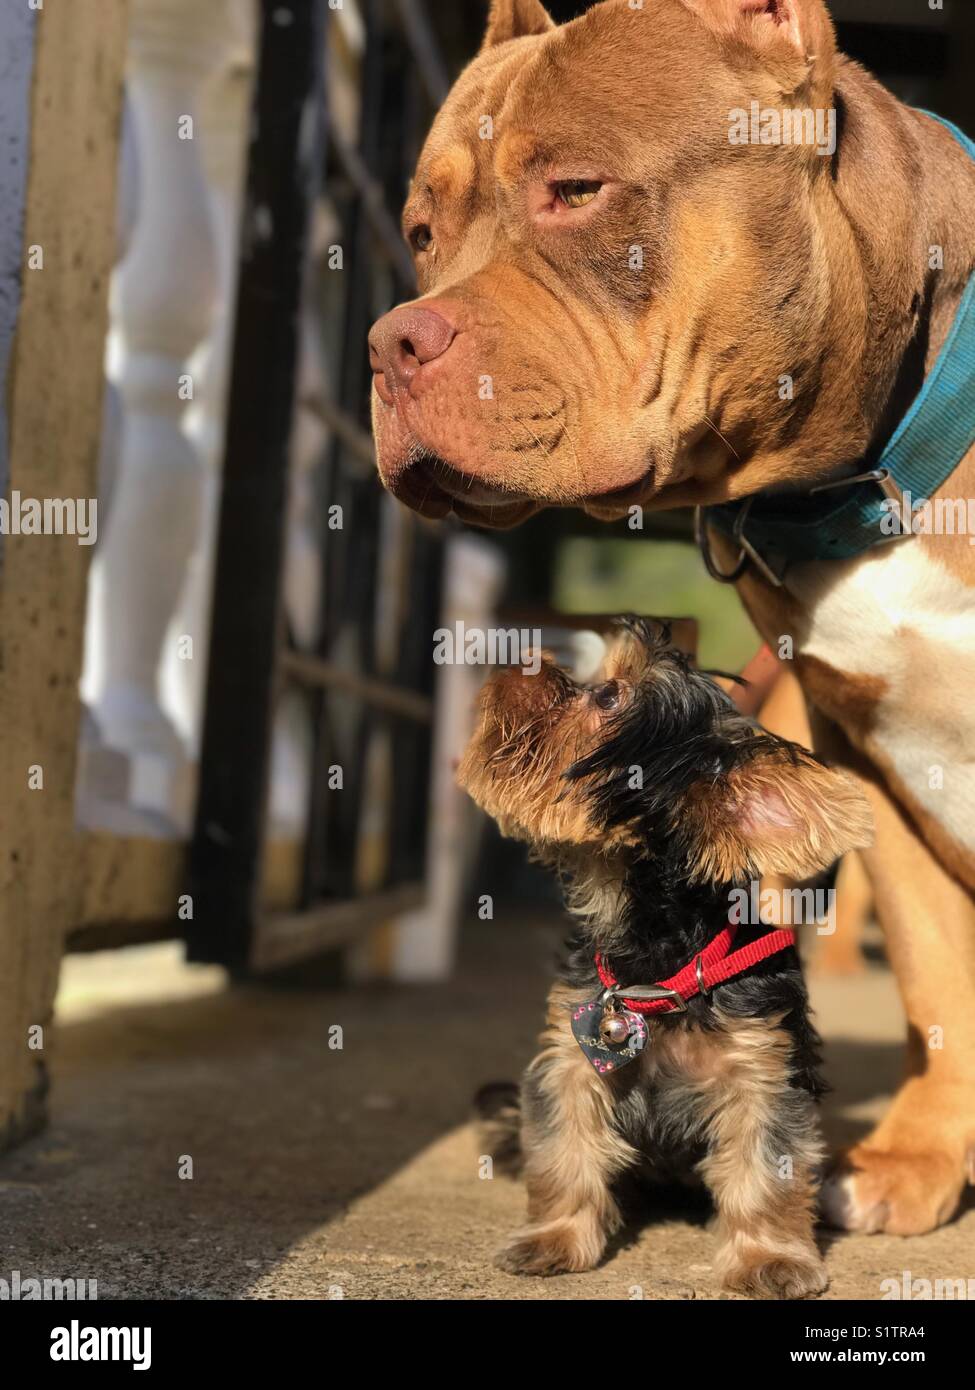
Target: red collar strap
(712,966)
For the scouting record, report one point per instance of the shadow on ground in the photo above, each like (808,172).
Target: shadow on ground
(351,1172)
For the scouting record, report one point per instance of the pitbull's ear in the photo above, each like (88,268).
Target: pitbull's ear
(775,20)
(776,815)
(778,30)
(514,19)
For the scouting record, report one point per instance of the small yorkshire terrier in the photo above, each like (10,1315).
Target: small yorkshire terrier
(675,1041)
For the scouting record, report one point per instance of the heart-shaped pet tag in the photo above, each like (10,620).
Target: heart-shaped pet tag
(610,1037)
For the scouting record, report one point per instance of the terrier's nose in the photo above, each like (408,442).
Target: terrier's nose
(402,342)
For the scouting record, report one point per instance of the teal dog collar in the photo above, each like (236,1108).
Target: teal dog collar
(843,519)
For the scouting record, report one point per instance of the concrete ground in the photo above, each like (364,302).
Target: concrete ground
(321,1172)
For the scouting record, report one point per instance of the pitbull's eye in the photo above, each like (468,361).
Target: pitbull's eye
(421,237)
(607,696)
(576,193)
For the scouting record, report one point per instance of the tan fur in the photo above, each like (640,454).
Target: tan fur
(679,402)
(908,1175)
(784,713)
(513,765)
(612,389)
(733,1076)
(511,19)
(729,1085)
(571,1210)
(841,951)
(451,174)
(769,816)
(781,819)
(624,659)
(766,1210)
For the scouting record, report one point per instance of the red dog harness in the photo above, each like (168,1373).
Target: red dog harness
(712,966)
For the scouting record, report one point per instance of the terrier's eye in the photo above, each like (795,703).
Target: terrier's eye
(607,696)
(576,193)
(421,237)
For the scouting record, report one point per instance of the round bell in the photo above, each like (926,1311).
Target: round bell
(614,1029)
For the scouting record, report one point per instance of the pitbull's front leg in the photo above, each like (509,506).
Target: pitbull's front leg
(908,1176)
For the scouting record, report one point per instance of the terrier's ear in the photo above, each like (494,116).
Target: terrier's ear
(779,31)
(515,19)
(775,815)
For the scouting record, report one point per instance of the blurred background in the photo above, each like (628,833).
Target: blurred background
(262,777)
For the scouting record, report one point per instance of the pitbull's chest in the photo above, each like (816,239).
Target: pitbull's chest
(885,646)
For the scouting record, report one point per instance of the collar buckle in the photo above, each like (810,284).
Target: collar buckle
(887,484)
(747,551)
(647,993)
(881,476)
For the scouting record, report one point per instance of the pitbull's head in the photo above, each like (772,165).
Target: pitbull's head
(620,302)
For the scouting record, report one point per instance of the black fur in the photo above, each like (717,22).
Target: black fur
(679,728)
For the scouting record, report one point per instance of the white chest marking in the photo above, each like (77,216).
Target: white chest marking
(899,615)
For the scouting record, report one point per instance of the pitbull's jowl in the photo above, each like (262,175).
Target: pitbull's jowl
(621,305)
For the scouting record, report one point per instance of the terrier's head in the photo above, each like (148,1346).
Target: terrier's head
(653,760)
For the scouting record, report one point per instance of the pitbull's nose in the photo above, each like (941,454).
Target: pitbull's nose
(401,342)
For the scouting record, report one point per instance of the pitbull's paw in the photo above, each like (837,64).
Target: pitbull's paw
(899,1193)
(560,1247)
(775,1274)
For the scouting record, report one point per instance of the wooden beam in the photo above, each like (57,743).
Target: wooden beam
(55,387)
(286,938)
(385,695)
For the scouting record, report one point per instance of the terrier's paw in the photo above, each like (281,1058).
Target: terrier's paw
(776,1275)
(902,1194)
(562,1247)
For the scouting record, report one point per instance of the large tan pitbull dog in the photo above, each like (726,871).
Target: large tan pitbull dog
(622,304)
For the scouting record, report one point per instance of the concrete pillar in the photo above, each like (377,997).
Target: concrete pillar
(54,385)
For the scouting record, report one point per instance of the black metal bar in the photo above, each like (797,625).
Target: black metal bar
(405,625)
(425,49)
(285,160)
(350,559)
(382,222)
(357,441)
